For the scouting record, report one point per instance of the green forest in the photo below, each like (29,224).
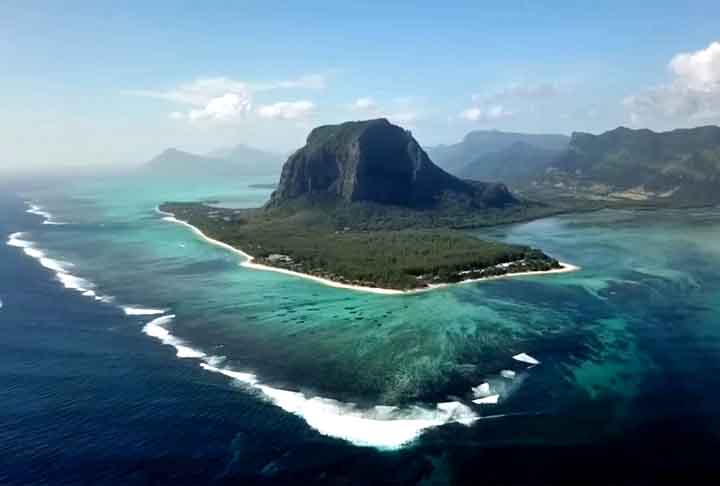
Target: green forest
(397,259)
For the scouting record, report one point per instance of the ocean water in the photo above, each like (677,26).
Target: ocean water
(134,352)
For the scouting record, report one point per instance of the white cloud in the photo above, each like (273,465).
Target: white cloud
(472,114)
(223,108)
(400,110)
(693,95)
(699,69)
(223,99)
(286,110)
(308,81)
(365,104)
(486,113)
(198,92)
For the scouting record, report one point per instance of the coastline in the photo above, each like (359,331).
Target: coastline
(250,263)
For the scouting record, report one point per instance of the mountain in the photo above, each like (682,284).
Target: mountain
(173,160)
(454,158)
(235,161)
(514,163)
(255,161)
(377,162)
(681,166)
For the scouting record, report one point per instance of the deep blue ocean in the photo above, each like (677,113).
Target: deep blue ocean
(133,352)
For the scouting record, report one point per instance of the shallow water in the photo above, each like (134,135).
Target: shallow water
(628,342)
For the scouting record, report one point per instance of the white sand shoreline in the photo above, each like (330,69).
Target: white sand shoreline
(249,263)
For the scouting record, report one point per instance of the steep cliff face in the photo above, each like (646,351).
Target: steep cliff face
(376,161)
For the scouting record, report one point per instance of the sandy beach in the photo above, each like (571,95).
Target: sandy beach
(249,263)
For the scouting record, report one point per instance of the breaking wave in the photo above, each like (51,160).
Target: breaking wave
(131,310)
(60,268)
(381,426)
(40,211)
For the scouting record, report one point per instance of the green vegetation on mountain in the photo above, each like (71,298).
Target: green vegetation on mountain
(676,168)
(514,164)
(476,144)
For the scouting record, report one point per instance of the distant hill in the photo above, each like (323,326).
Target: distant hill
(513,164)
(239,160)
(174,160)
(680,166)
(377,162)
(453,158)
(254,160)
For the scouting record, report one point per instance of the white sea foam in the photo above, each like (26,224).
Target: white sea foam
(155,329)
(215,360)
(489,400)
(60,268)
(481,390)
(526,358)
(54,265)
(248,378)
(15,240)
(38,210)
(33,252)
(380,426)
(72,282)
(141,311)
(46,215)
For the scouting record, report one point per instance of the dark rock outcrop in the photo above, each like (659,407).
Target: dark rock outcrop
(378,162)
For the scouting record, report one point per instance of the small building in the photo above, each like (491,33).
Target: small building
(278,258)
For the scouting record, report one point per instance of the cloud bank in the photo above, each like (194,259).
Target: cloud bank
(401,111)
(692,95)
(286,110)
(223,99)
(486,113)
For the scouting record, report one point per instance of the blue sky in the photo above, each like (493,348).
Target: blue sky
(115,82)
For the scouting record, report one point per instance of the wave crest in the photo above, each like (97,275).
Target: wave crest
(386,427)
(46,215)
(60,268)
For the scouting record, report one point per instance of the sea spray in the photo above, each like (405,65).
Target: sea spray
(46,215)
(60,268)
(130,310)
(385,427)
(155,329)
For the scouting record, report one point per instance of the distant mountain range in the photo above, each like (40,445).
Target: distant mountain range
(454,158)
(513,164)
(377,162)
(680,166)
(237,160)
